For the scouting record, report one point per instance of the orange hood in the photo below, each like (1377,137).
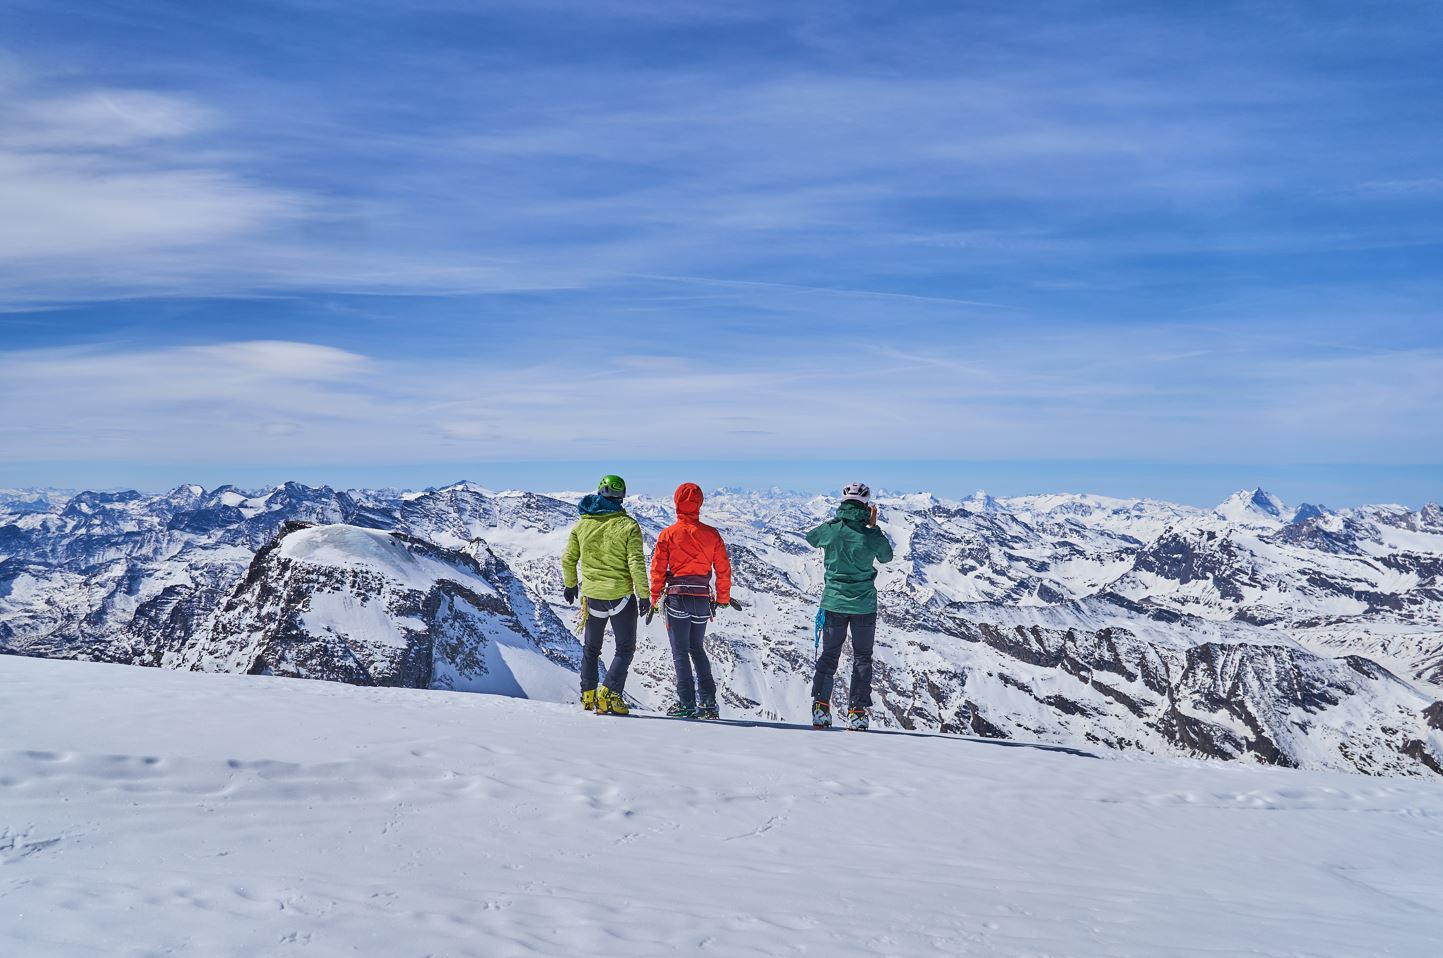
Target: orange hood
(688,501)
(688,551)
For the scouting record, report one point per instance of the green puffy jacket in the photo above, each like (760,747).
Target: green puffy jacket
(607,543)
(850,546)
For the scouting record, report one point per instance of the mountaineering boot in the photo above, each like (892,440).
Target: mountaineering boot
(707,710)
(681,711)
(588,700)
(610,703)
(857,720)
(821,715)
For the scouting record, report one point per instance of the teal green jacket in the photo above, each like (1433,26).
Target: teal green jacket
(607,544)
(850,546)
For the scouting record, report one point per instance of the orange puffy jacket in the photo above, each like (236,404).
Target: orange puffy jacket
(690,549)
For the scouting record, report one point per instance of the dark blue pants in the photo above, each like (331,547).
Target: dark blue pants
(686,620)
(864,640)
(623,625)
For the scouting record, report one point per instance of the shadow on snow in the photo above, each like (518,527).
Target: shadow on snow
(790,726)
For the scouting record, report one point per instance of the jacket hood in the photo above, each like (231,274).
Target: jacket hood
(688,501)
(854,511)
(596,505)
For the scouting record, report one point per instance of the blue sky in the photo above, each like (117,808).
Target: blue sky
(1132,248)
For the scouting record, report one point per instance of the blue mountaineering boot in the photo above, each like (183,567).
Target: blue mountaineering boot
(821,715)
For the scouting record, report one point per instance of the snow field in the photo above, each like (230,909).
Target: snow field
(374,551)
(146,812)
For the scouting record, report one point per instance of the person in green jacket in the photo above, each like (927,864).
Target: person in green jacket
(613,586)
(851,542)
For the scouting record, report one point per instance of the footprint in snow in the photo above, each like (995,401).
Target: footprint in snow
(17,846)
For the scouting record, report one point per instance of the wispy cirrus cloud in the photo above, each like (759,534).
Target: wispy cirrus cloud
(852,146)
(109,192)
(1105,394)
(95,174)
(1108,230)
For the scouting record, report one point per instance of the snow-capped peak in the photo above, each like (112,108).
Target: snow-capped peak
(1306,511)
(1254,508)
(376,550)
(185,495)
(980,501)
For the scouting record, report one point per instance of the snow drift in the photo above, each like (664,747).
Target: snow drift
(148,812)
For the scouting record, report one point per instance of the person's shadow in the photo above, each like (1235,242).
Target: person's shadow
(790,726)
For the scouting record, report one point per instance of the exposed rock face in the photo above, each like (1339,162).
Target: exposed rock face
(1225,700)
(1075,619)
(125,577)
(367,607)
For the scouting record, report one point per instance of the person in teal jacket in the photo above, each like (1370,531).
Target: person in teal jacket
(851,543)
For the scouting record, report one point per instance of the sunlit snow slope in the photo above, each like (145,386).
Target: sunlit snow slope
(149,811)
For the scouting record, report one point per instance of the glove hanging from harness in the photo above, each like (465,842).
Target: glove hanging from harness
(733,604)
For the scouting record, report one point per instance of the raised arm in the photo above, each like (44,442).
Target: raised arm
(881,545)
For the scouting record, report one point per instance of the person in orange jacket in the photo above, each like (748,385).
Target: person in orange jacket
(686,554)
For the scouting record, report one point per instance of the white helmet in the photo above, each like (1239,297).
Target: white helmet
(857,492)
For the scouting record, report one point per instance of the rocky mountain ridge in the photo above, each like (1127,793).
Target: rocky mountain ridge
(1295,636)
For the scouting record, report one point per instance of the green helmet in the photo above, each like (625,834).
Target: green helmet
(612,487)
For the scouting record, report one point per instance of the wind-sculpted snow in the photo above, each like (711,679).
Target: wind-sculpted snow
(151,812)
(1258,632)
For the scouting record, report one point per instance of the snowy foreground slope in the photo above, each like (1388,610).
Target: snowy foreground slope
(149,811)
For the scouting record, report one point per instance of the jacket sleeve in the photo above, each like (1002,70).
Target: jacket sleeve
(569,558)
(636,560)
(660,561)
(723,565)
(881,545)
(818,536)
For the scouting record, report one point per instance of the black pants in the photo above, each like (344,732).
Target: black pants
(864,640)
(623,626)
(686,620)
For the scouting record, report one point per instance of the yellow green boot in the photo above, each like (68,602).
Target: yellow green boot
(588,700)
(610,703)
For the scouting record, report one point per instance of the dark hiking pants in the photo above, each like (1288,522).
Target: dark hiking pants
(834,633)
(686,621)
(623,626)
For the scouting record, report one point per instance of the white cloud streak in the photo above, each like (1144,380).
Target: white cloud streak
(1105,395)
(547,174)
(94,174)
(112,193)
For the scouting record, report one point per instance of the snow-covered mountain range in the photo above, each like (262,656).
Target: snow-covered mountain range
(1295,636)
